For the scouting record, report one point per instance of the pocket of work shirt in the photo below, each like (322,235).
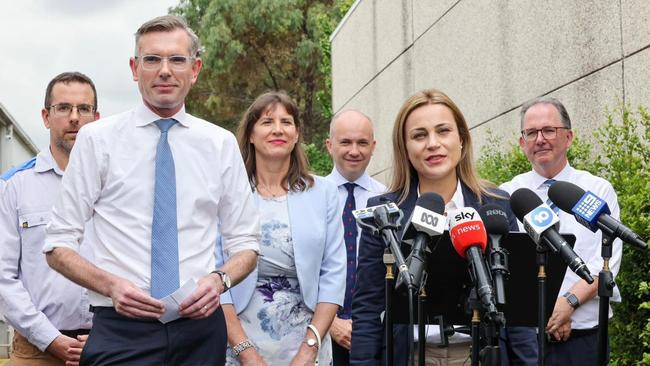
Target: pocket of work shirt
(32,225)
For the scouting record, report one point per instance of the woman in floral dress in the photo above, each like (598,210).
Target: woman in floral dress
(281,313)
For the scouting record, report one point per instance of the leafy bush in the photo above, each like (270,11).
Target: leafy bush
(621,155)
(319,159)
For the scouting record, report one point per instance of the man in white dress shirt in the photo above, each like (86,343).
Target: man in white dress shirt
(546,136)
(156,181)
(351,143)
(49,313)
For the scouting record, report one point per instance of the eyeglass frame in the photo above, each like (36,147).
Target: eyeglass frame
(538,130)
(188,62)
(72,107)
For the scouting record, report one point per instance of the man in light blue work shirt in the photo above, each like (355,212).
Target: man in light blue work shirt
(351,143)
(49,312)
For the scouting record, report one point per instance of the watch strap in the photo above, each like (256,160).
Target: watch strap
(572,299)
(223,276)
(316,333)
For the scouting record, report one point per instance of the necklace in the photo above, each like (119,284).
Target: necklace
(267,189)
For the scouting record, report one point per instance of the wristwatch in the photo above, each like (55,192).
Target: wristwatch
(572,299)
(311,342)
(225,279)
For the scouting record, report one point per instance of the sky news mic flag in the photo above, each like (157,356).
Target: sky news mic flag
(469,239)
(591,211)
(541,225)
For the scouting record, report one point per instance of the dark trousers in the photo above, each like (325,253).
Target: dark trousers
(580,349)
(340,355)
(518,346)
(117,340)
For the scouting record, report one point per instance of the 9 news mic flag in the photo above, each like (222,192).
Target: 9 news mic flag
(591,211)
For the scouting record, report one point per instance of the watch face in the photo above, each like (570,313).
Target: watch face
(226,280)
(311,342)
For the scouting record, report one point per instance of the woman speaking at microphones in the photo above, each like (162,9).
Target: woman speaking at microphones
(432,152)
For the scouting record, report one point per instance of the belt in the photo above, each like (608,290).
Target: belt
(75,332)
(577,333)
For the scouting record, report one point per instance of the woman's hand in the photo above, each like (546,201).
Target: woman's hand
(306,356)
(250,357)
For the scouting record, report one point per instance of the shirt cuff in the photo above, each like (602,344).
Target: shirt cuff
(59,241)
(43,335)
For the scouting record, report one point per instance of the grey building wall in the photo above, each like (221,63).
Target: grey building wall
(15,145)
(490,57)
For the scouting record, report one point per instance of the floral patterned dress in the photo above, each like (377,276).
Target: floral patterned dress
(276,318)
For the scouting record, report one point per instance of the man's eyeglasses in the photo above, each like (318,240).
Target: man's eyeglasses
(548,133)
(65,109)
(154,62)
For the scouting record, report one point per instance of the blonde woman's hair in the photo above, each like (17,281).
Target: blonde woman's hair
(403,171)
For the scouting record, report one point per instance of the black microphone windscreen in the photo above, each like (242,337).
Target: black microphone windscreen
(522,201)
(565,195)
(432,202)
(495,219)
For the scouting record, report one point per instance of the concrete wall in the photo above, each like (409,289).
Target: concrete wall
(490,57)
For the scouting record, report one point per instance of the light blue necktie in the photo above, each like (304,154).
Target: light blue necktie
(547,183)
(164,231)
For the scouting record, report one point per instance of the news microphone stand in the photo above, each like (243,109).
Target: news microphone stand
(542,258)
(606,286)
(422,300)
(476,323)
(490,354)
(389,261)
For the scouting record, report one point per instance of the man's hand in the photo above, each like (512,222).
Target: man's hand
(341,332)
(559,325)
(204,300)
(306,356)
(132,302)
(77,351)
(66,348)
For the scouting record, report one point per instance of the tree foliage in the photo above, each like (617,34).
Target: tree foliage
(252,46)
(621,155)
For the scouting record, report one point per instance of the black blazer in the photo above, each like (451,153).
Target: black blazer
(368,301)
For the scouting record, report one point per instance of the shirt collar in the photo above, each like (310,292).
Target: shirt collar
(457,199)
(563,175)
(145,116)
(363,181)
(45,162)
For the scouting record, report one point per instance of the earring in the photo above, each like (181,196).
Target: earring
(461,147)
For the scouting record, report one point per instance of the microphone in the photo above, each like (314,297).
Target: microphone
(366,213)
(541,225)
(387,230)
(497,227)
(426,222)
(591,211)
(469,239)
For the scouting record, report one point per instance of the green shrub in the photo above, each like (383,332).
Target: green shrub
(319,159)
(624,160)
(621,155)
